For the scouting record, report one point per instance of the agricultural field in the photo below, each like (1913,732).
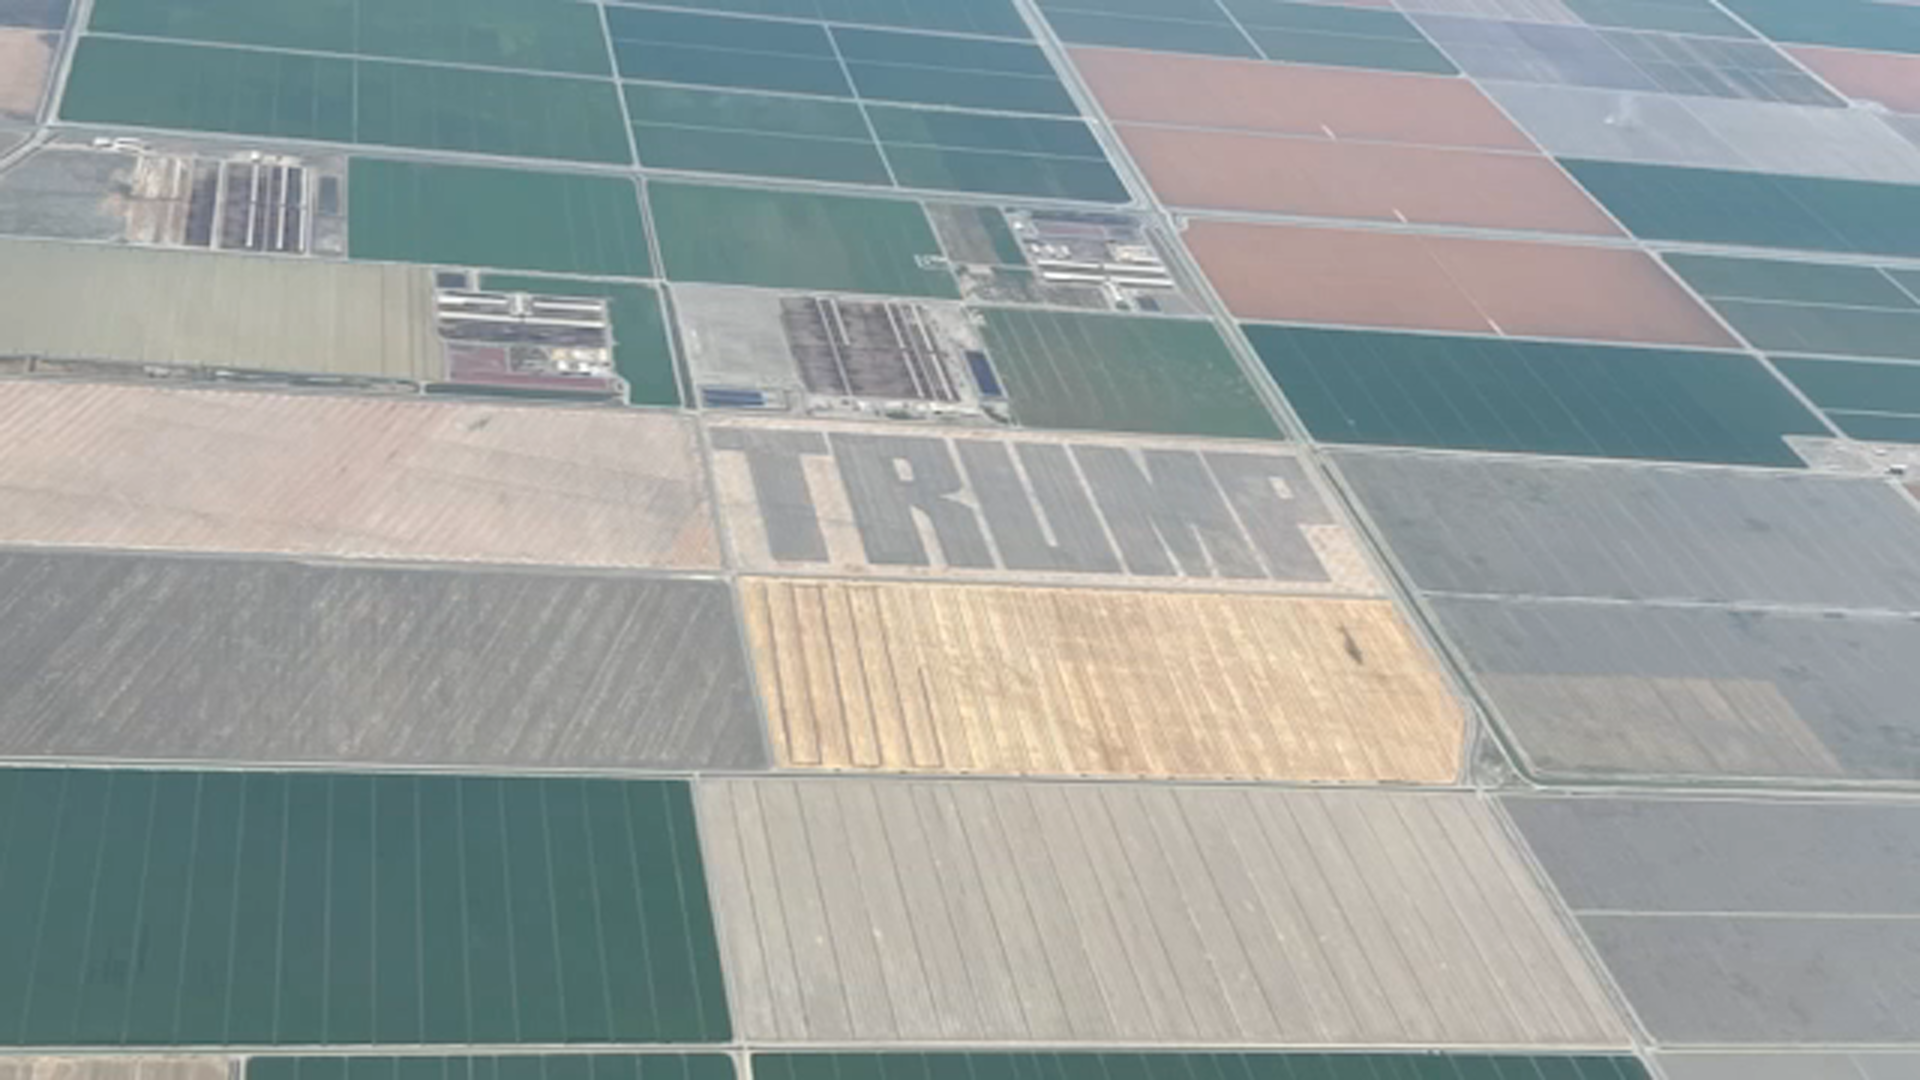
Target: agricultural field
(959,539)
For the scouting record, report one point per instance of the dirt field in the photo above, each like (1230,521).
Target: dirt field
(1361,278)
(1892,79)
(1170,88)
(1374,181)
(1607,294)
(311,474)
(24,58)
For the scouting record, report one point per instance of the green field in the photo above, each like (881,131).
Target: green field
(239,91)
(1719,276)
(1659,202)
(1829,309)
(485,112)
(255,92)
(1853,24)
(1208,11)
(731,111)
(719,94)
(1309,33)
(641,353)
(1865,400)
(707,50)
(1672,16)
(753,134)
(504,218)
(994,18)
(1828,331)
(1122,373)
(186,908)
(1908,280)
(538,35)
(1172,26)
(1004,155)
(926,69)
(496,1067)
(985,172)
(1467,393)
(1342,36)
(904,126)
(740,236)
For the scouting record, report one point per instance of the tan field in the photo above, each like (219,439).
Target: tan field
(309,474)
(937,678)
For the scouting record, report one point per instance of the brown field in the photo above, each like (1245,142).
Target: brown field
(308,474)
(1330,275)
(1549,290)
(1365,278)
(1318,178)
(1892,79)
(25,56)
(1336,103)
(986,679)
